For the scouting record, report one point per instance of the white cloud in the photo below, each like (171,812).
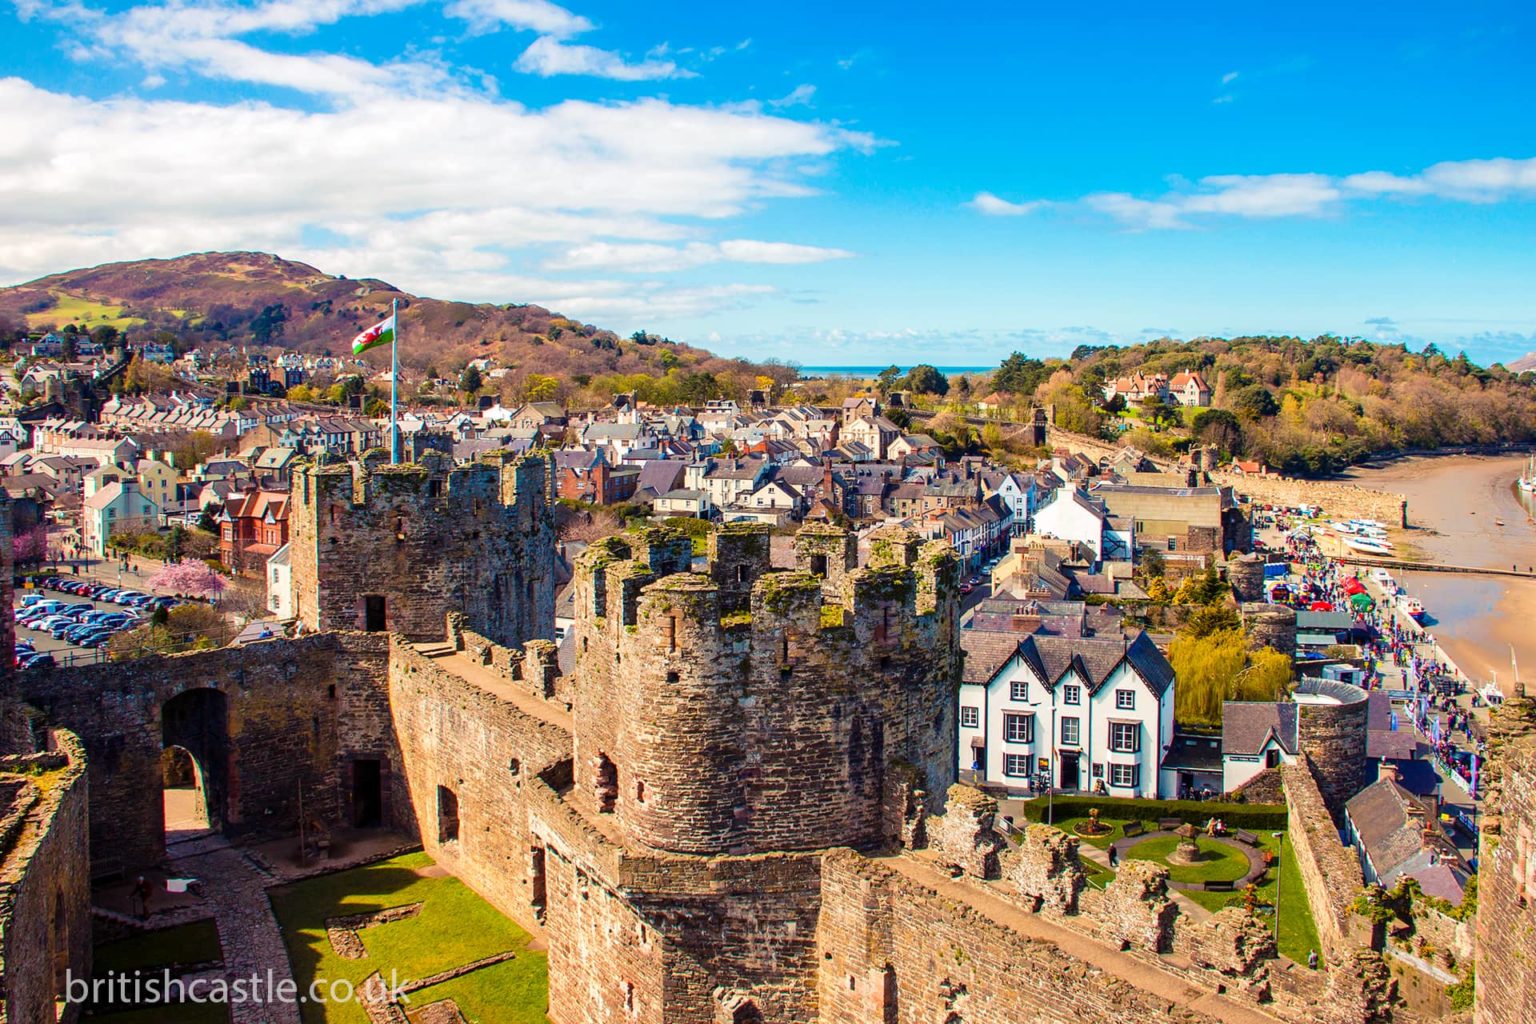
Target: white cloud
(1229,78)
(445,195)
(800,95)
(655,258)
(992,206)
(532,15)
(548,56)
(1258,196)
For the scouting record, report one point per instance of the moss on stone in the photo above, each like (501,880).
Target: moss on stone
(735,620)
(833,616)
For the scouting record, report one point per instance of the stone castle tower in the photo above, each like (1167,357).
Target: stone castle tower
(730,726)
(379,547)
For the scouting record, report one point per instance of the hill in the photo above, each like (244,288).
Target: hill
(257,298)
(1525,362)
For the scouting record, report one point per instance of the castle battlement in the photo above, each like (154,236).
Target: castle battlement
(706,696)
(395,547)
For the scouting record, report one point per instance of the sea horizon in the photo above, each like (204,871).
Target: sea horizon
(874,371)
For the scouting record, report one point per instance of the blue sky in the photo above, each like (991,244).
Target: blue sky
(869,183)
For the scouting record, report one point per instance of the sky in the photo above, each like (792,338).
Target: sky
(830,183)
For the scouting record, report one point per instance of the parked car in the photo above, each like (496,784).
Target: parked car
(36,660)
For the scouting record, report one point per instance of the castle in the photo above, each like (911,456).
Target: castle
(738,806)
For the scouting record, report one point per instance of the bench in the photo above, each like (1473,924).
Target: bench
(1133,828)
(1169,824)
(1219,886)
(1247,838)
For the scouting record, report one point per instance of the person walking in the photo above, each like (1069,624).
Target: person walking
(1114,856)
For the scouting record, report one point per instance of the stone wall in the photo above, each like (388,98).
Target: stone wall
(1338,500)
(466,756)
(896,952)
(1332,737)
(1506,897)
(263,721)
(426,539)
(1330,871)
(45,902)
(710,731)
(532,668)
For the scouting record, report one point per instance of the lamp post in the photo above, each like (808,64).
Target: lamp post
(1279,875)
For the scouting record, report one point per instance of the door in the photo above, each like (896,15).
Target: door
(373,613)
(1069,771)
(367,794)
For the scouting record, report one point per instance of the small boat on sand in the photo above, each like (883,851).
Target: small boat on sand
(1368,545)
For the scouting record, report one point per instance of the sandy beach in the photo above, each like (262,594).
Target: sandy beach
(1454,505)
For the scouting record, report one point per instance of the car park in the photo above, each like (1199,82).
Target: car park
(36,660)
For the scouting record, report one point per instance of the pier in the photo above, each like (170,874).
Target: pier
(1409,566)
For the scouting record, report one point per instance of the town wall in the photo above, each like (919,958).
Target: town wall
(45,904)
(1506,892)
(427,539)
(1330,871)
(1332,737)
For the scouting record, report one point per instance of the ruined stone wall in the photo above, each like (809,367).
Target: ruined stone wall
(45,899)
(1330,871)
(427,539)
(458,737)
(893,951)
(1506,894)
(708,731)
(279,731)
(365,728)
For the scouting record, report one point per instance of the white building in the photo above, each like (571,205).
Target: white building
(280,584)
(1093,714)
(1072,515)
(1255,735)
(118,507)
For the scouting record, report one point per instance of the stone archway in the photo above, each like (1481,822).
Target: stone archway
(194,726)
(184,795)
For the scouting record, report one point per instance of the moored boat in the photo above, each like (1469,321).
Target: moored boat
(1368,545)
(1411,607)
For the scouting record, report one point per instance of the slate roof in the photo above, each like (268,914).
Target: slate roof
(986,652)
(1389,824)
(1097,658)
(1383,741)
(1192,753)
(1247,725)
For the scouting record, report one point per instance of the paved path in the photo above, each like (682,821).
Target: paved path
(252,940)
(1186,905)
(1256,865)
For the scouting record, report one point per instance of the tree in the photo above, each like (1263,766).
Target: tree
(67,348)
(1254,402)
(30,547)
(104,335)
(885,380)
(540,387)
(303,393)
(1020,375)
(1220,428)
(470,381)
(189,579)
(926,380)
(192,450)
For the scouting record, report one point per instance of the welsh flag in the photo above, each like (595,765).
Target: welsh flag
(381,333)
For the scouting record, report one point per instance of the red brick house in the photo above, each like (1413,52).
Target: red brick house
(587,477)
(253,526)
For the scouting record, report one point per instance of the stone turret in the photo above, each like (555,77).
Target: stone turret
(1270,625)
(381,547)
(713,719)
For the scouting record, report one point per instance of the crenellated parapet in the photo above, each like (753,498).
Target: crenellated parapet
(740,708)
(376,546)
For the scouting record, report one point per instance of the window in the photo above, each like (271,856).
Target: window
(1019,690)
(1124,738)
(1019,728)
(970,718)
(1069,731)
(1016,765)
(1125,700)
(1071,694)
(1124,775)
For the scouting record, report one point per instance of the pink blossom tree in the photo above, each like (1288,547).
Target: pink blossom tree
(189,579)
(30,547)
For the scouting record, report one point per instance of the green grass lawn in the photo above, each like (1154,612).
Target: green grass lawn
(454,927)
(1218,862)
(1298,932)
(78,309)
(186,944)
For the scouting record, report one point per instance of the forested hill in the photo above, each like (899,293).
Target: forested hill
(1303,406)
(256,298)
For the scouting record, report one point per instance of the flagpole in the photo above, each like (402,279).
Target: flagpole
(394,386)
